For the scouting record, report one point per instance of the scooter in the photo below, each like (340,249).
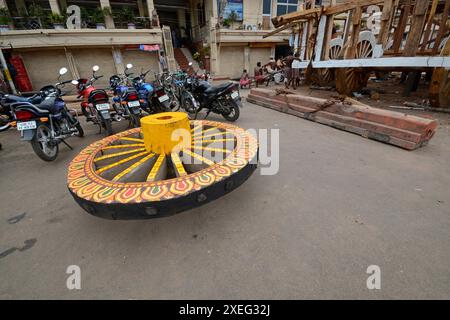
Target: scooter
(44,119)
(95,106)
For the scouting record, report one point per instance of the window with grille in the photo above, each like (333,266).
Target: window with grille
(286,6)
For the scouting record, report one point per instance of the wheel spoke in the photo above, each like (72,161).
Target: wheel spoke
(214,140)
(201,133)
(132,139)
(115,164)
(209,149)
(209,135)
(129,171)
(178,165)
(198,157)
(119,146)
(159,170)
(118,154)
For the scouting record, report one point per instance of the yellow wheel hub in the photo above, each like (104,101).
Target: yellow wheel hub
(164,131)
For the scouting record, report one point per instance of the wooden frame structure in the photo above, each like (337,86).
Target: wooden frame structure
(376,35)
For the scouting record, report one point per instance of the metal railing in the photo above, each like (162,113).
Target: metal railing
(35,23)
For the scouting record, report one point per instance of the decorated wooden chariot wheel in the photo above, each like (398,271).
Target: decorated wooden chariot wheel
(167,166)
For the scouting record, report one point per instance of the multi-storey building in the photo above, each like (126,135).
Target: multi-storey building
(228,34)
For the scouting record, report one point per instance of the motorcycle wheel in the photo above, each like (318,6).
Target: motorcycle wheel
(42,145)
(108,126)
(4,126)
(191,111)
(80,133)
(85,113)
(135,121)
(174,102)
(234,112)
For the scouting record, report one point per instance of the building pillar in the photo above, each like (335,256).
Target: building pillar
(141,8)
(72,64)
(109,22)
(118,60)
(247,58)
(63,5)
(215,59)
(21,7)
(152,13)
(182,21)
(215,9)
(54,6)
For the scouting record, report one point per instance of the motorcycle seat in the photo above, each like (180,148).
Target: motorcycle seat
(34,99)
(220,87)
(48,104)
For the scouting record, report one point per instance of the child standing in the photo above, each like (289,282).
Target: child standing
(245,80)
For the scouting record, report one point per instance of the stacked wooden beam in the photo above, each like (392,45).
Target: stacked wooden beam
(405,131)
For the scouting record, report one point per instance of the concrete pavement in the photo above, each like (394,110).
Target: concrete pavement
(338,204)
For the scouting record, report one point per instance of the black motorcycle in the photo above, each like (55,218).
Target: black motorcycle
(223,99)
(44,120)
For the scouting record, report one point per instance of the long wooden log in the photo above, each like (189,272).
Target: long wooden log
(405,131)
(331,10)
(281,20)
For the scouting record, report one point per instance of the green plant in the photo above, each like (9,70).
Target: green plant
(226,23)
(5,18)
(233,17)
(196,56)
(205,51)
(98,15)
(55,18)
(107,11)
(84,14)
(36,10)
(127,14)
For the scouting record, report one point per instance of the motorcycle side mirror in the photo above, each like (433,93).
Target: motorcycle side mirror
(95,68)
(74,82)
(190,64)
(62,71)
(129,66)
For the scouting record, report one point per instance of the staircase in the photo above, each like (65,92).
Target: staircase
(181,59)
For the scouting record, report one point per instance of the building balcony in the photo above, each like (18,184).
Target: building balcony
(40,38)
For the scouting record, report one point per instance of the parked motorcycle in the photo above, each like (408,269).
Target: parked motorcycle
(153,97)
(95,105)
(167,80)
(184,84)
(223,99)
(275,76)
(44,120)
(126,98)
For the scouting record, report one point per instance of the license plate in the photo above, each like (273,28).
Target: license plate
(234,95)
(102,106)
(163,98)
(134,103)
(26,125)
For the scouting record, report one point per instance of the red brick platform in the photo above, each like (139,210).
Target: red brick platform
(405,131)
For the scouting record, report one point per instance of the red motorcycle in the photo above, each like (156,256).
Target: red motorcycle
(95,106)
